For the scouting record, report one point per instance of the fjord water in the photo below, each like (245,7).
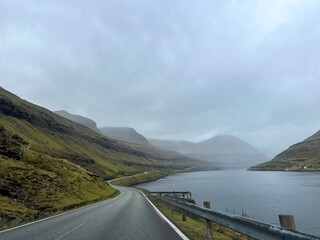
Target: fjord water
(263,195)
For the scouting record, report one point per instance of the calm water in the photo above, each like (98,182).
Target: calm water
(263,195)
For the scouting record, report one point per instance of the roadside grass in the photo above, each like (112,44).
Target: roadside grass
(195,229)
(38,186)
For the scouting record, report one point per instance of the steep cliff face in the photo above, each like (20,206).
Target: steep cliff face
(78,119)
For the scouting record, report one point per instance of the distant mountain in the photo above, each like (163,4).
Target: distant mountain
(78,119)
(183,147)
(226,151)
(124,134)
(301,156)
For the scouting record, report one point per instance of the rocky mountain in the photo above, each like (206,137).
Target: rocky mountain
(303,156)
(125,134)
(225,151)
(78,119)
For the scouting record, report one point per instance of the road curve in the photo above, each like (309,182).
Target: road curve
(127,216)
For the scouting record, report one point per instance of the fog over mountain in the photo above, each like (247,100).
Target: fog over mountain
(126,134)
(226,151)
(171,69)
(78,119)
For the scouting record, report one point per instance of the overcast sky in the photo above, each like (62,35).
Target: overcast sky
(174,70)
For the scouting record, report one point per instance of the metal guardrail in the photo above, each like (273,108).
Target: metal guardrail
(249,227)
(185,194)
(172,192)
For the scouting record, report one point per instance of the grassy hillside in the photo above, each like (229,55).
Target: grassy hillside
(58,137)
(49,164)
(303,156)
(34,185)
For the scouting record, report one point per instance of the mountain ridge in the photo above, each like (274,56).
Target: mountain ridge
(126,134)
(87,122)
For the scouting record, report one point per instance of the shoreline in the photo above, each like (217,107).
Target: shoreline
(165,174)
(268,170)
(132,181)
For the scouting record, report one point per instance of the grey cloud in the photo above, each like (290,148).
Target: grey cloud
(170,69)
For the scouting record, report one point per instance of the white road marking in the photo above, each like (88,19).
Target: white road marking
(177,230)
(157,211)
(58,215)
(65,234)
(24,225)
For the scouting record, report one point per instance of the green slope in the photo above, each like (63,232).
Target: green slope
(48,133)
(50,164)
(34,185)
(303,156)
(38,185)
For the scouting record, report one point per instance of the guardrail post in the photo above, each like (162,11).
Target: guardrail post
(251,228)
(183,218)
(208,222)
(172,208)
(287,221)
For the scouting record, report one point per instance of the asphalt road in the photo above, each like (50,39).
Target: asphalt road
(128,216)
